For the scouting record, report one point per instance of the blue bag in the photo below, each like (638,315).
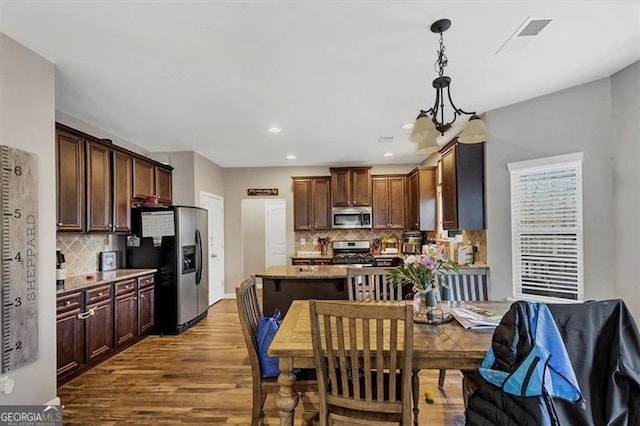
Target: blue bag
(266,331)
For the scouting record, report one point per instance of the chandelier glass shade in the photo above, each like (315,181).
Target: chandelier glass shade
(431,123)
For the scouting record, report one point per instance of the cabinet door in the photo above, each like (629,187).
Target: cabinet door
(122,170)
(163,185)
(69,334)
(99,202)
(321,202)
(341,187)
(146,306)
(449,196)
(144,183)
(302,205)
(126,316)
(427,190)
(99,330)
(413,206)
(396,201)
(360,187)
(379,209)
(70,192)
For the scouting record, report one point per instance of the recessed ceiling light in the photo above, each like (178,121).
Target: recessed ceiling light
(291,157)
(275,129)
(407,126)
(388,154)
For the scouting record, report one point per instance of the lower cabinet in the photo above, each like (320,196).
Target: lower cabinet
(94,323)
(310,261)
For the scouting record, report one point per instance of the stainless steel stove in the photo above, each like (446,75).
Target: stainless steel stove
(355,252)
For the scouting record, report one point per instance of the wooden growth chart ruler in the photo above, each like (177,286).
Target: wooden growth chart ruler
(19,262)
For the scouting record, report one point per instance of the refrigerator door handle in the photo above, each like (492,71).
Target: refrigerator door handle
(198,257)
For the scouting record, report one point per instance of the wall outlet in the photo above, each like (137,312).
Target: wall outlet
(303,241)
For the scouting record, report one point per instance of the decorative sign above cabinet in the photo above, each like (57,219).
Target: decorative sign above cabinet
(261,192)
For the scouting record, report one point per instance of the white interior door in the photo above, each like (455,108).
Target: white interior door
(275,233)
(215,205)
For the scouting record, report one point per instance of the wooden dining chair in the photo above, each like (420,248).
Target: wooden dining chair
(467,285)
(249,313)
(371,283)
(363,357)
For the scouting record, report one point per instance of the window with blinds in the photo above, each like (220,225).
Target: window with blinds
(546,228)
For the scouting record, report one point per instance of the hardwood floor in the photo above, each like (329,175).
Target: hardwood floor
(202,377)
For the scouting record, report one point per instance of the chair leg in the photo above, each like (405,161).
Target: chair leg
(258,403)
(415,393)
(441,377)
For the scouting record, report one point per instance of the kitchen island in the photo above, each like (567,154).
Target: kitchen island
(283,284)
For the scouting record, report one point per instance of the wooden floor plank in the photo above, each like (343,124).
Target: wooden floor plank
(202,377)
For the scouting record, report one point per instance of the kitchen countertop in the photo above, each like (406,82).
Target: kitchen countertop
(305,272)
(79,282)
(318,256)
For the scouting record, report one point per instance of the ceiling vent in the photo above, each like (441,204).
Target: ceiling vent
(385,139)
(524,35)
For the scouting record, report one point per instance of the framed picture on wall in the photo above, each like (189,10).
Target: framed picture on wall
(108,261)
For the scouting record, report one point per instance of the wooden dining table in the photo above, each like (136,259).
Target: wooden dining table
(444,346)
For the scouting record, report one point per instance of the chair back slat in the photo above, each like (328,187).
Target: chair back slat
(370,344)
(468,285)
(371,283)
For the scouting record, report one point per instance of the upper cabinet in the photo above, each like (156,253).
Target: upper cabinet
(122,171)
(69,182)
(462,174)
(99,201)
(388,201)
(312,203)
(97,181)
(150,179)
(351,186)
(421,199)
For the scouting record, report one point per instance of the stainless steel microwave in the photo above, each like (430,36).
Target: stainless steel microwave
(351,217)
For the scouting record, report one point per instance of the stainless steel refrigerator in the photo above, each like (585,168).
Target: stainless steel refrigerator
(173,240)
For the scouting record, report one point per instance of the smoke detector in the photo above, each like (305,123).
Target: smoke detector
(529,29)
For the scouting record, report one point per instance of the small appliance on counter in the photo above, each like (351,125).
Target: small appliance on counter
(412,242)
(61,273)
(465,254)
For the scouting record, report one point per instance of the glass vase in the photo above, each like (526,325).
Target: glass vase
(424,301)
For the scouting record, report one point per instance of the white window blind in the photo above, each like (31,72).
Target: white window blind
(546,228)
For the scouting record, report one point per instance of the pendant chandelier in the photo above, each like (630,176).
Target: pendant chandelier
(432,122)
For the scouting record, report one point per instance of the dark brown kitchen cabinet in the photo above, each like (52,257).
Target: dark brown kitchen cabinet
(70,194)
(99,201)
(462,174)
(421,199)
(388,201)
(146,304)
(351,186)
(99,323)
(70,333)
(125,312)
(296,261)
(144,179)
(122,170)
(163,185)
(312,203)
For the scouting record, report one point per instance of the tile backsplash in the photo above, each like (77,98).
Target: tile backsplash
(82,251)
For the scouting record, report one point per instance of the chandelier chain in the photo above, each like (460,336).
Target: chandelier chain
(442,61)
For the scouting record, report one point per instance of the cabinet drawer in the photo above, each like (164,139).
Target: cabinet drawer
(98,294)
(124,287)
(68,302)
(146,281)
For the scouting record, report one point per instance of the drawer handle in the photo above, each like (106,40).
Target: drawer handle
(67,303)
(142,296)
(87,314)
(100,294)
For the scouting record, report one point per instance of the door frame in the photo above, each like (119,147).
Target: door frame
(221,200)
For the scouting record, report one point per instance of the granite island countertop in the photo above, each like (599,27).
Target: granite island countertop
(79,282)
(304,272)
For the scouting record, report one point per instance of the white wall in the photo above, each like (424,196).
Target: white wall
(253,235)
(625,89)
(573,120)
(27,122)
